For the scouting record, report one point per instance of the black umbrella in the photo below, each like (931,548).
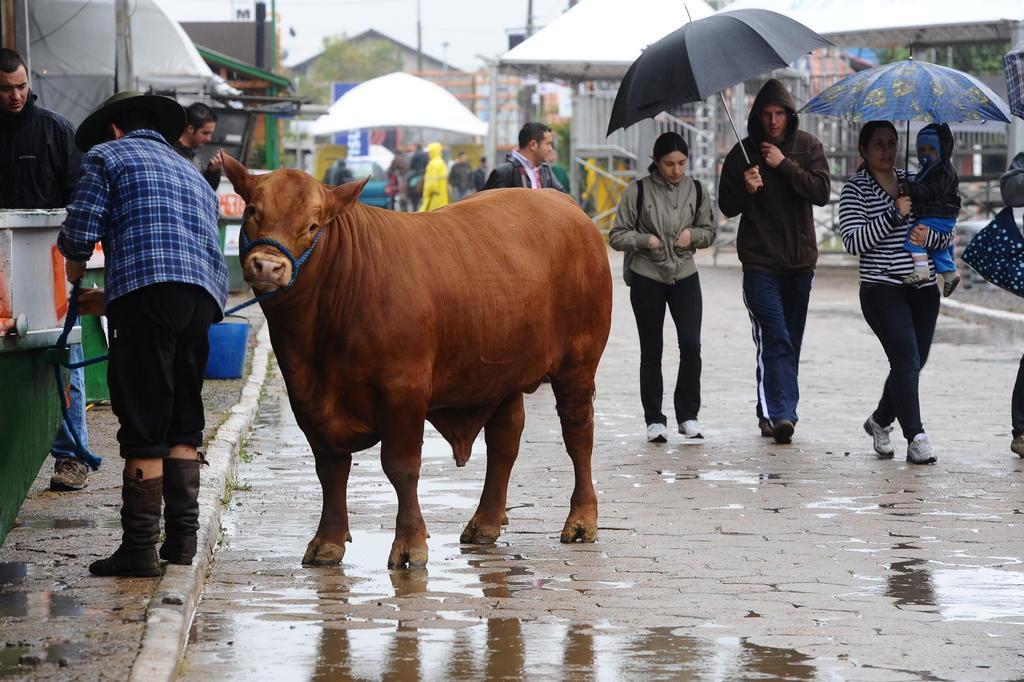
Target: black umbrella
(706,56)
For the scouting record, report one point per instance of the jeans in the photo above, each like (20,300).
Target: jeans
(683,299)
(1017,402)
(63,443)
(903,319)
(777,305)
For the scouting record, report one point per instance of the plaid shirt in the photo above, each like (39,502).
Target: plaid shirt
(154,213)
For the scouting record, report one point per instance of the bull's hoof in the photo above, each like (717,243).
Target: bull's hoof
(504,519)
(324,552)
(479,533)
(579,530)
(403,555)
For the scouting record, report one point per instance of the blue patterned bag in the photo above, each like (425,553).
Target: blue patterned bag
(997,253)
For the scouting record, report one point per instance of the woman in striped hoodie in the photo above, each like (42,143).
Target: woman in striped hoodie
(873,217)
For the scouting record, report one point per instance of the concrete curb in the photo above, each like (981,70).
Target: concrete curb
(1012,322)
(170,612)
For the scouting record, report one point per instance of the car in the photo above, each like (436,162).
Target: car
(376,191)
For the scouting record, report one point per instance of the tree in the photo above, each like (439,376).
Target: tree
(347,61)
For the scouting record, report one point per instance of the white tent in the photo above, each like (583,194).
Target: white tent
(398,100)
(73,53)
(599,39)
(885,23)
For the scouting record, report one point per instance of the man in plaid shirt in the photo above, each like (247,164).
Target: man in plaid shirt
(166,283)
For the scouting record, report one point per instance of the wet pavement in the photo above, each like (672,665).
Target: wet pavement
(723,559)
(57,621)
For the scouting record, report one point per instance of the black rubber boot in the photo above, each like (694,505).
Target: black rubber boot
(140,521)
(181,510)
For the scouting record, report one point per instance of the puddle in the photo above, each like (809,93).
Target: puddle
(742,477)
(910,583)
(980,593)
(58,524)
(38,605)
(843,504)
(12,572)
(21,660)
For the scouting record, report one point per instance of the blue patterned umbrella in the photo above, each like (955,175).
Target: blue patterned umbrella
(910,90)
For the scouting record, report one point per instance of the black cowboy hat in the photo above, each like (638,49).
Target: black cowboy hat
(169,114)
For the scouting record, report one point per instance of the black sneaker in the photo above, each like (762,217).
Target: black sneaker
(766,428)
(782,432)
(68,474)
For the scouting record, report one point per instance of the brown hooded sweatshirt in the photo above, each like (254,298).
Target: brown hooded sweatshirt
(776,232)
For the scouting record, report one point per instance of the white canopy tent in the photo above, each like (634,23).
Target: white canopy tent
(599,39)
(73,48)
(398,100)
(884,23)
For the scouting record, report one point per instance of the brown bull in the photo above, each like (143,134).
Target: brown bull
(448,316)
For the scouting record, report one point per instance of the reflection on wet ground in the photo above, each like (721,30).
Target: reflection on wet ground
(17,660)
(712,564)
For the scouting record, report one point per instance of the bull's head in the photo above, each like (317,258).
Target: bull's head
(289,208)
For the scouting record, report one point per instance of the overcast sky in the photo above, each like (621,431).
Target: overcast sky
(471,27)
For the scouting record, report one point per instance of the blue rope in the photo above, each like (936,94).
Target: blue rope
(246,245)
(81,452)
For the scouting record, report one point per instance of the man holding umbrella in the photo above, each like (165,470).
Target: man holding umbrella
(788,174)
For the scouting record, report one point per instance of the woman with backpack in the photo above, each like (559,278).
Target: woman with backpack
(662,219)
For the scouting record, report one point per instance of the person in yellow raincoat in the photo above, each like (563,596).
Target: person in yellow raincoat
(435,180)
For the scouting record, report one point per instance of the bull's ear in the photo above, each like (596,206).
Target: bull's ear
(340,199)
(238,175)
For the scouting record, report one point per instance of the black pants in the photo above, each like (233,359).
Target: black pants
(1017,404)
(903,318)
(158,350)
(683,298)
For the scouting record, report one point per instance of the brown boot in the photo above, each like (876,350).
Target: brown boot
(181,509)
(140,521)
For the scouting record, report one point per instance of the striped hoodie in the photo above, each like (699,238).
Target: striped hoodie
(872,228)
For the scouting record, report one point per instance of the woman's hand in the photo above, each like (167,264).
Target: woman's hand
(919,235)
(653,243)
(685,239)
(903,205)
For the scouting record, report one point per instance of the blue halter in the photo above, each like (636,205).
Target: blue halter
(245,245)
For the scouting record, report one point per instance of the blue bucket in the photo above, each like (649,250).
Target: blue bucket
(228,342)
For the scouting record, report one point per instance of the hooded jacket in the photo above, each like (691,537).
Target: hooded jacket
(776,232)
(435,180)
(935,191)
(1011,184)
(38,158)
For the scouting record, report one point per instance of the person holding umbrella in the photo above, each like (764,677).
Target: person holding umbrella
(873,217)
(662,219)
(776,243)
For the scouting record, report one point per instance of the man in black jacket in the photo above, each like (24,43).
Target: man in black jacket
(202,121)
(527,166)
(38,166)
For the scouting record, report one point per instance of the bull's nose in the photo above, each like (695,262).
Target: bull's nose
(267,269)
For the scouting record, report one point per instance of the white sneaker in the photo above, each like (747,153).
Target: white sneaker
(880,436)
(657,433)
(690,428)
(919,450)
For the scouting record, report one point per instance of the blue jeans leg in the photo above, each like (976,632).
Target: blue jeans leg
(64,444)
(777,306)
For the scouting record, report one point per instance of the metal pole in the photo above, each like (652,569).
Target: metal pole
(492,116)
(529,18)
(419,40)
(124,72)
(273,143)
(728,112)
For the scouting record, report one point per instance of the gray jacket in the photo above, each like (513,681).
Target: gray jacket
(1011,184)
(667,211)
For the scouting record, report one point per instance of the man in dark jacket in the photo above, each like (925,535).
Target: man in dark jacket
(776,243)
(202,122)
(527,166)
(38,166)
